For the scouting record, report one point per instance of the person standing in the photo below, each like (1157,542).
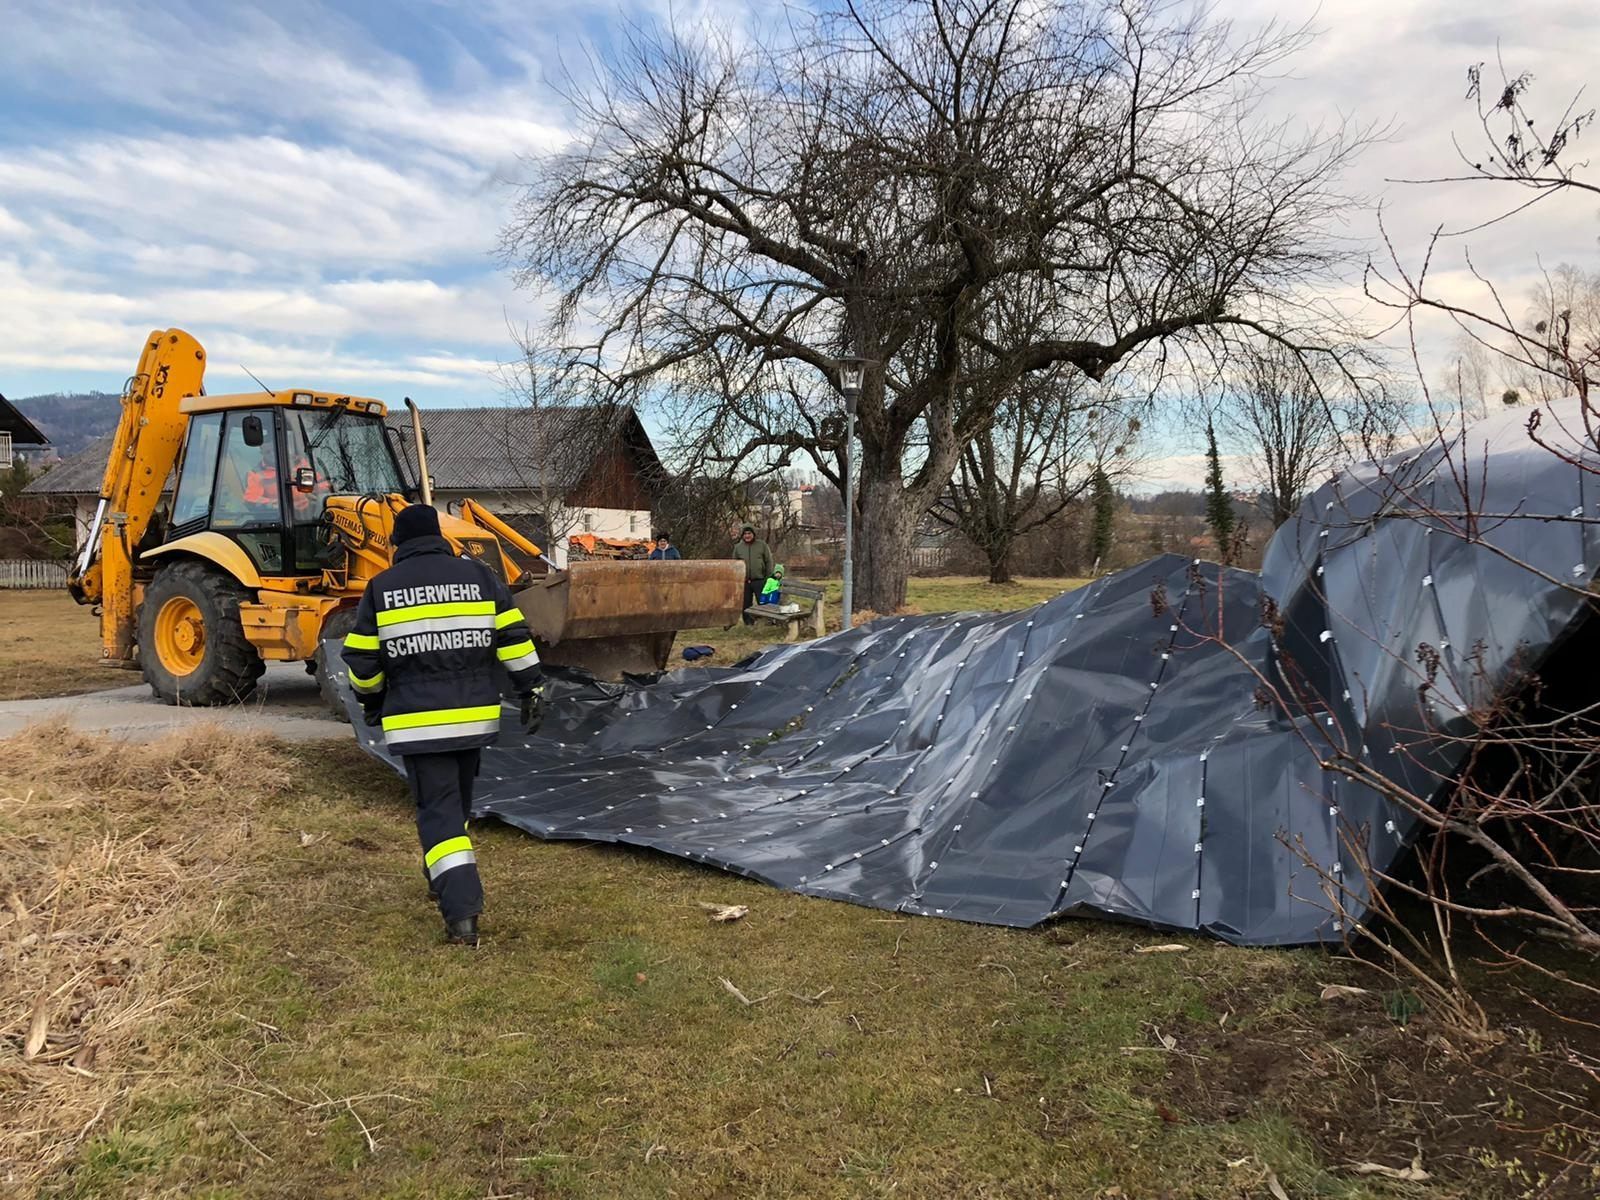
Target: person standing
(757,558)
(664,550)
(431,637)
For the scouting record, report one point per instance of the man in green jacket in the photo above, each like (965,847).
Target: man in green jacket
(756,556)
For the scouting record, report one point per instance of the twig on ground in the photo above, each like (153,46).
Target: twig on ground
(251,1144)
(740,996)
(89,1124)
(815,999)
(372,1146)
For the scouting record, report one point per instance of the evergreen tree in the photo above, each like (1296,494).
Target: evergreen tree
(1219,506)
(1105,501)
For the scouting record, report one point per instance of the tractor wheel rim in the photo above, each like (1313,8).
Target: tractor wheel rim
(180,635)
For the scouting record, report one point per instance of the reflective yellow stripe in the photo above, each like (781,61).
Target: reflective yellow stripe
(422,612)
(510,617)
(516,651)
(360,641)
(449,846)
(367,684)
(442,716)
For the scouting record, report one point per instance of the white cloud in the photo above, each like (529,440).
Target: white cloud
(54,324)
(10,227)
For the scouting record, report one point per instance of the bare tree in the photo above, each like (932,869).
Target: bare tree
(1561,328)
(1040,453)
(31,526)
(698,510)
(1290,432)
(876,178)
(1470,378)
(551,441)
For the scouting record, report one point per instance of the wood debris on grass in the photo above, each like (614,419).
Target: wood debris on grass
(1412,1174)
(724,912)
(732,990)
(1341,991)
(116,851)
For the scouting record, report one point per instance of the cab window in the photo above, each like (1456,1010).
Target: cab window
(248,500)
(192,500)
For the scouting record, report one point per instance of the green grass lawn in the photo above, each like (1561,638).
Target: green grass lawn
(933,594)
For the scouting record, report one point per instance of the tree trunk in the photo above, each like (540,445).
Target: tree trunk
(1000,563)
(886,524)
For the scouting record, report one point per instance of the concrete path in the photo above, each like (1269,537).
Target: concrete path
(286,703)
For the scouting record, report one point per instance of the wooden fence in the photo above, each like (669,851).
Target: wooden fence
(32,573)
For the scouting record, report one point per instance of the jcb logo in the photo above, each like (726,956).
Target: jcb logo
(161,380)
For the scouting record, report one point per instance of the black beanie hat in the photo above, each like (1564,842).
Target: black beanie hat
(414,521)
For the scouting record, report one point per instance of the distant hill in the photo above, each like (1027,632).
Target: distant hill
(72,421)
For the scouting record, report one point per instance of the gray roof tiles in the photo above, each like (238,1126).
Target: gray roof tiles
(79,474)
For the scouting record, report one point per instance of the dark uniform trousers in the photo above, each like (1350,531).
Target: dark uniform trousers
(441,785)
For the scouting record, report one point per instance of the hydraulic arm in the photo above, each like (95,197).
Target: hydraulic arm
(143,452)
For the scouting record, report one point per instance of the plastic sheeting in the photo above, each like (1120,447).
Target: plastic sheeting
(1118,750)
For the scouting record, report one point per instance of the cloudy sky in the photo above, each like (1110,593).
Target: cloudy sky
(315,189)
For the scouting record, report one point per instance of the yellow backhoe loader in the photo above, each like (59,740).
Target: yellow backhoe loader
(281,512)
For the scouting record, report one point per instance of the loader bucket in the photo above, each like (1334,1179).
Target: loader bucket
(608,618)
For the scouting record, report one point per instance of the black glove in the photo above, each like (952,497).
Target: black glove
(533,709)
(372,714)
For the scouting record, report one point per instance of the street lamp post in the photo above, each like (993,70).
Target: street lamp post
(851,371)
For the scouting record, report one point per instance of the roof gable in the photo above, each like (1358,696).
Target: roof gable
(23,431)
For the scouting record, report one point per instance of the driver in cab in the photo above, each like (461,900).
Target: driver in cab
(261,488)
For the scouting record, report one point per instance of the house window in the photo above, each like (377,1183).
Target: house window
(633,522)
(588,520)
(5,451)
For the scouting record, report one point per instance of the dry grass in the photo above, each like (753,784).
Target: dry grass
(50,646)
(104,875)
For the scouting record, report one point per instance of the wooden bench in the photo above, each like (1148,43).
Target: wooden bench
(808,596)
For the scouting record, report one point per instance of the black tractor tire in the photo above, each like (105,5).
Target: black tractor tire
(334,628)
(226,665)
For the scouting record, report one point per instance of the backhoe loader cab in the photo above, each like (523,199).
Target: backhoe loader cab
(282,510)
(260,470)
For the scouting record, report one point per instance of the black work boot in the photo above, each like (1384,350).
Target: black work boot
(462,933)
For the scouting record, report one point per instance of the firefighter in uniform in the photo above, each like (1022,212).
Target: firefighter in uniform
(431,635)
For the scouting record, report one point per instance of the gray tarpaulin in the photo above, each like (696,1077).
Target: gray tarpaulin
(1115,751)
